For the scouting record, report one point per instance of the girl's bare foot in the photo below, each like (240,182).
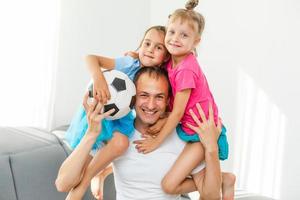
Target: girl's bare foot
(97,183)
(228,181)
(97,186)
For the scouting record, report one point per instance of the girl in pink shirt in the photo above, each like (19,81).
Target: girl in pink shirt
(190,90)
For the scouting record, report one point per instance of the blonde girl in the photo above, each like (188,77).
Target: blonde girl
(189,88)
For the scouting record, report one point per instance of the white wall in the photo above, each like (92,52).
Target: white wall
(248,52)
(101,27)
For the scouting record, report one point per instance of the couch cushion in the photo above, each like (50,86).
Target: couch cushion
(7,188)
(29,162)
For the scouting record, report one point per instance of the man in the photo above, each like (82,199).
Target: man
(138,175)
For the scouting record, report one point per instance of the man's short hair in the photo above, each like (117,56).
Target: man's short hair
(155,72)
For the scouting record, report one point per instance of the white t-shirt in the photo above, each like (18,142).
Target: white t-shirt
(138,176)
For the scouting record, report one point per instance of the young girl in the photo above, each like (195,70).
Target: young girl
(189,87)
(152,52)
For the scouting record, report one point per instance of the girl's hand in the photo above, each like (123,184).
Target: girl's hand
(132,54)
(147,145)
(100,89)
(207,130)
(155,129)
(94,115)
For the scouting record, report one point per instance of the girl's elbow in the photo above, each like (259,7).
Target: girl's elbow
(65,184)
(90,58)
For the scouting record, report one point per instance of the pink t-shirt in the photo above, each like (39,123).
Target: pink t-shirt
(188,75)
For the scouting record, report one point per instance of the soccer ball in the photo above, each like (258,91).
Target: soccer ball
(122,91)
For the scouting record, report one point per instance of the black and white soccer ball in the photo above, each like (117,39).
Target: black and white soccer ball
(122,91)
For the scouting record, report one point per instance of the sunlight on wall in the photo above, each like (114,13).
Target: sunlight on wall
(259,140)
(29,33)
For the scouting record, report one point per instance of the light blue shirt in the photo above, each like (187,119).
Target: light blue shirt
(127,65)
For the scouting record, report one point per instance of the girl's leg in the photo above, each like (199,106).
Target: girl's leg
(203,189)
(66,184)
(115,148)
(97,182)
(228,181)
(175,181)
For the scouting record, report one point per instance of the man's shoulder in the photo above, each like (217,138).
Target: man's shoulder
(173,141)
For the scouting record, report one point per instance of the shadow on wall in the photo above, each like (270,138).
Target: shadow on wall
(259,140)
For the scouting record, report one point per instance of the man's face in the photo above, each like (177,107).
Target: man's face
(151,99)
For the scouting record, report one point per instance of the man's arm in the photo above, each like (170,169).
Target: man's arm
(71,170)
(210,182)
(213,177)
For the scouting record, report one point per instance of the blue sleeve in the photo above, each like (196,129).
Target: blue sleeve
(124,64)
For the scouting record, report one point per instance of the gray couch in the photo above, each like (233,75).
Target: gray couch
(29,162)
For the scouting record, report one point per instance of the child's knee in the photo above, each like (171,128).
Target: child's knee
(167,186)
(63,186)
(120,144)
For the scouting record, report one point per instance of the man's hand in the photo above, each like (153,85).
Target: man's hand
(147,145)
(207,130)
(94,115)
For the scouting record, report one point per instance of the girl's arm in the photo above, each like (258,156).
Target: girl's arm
(94,64)
(180,102)
(155,129)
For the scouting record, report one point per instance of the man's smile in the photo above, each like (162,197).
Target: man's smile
(149,112)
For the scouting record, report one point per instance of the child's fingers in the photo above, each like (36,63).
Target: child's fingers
(153,127)
(202,115)
(137,141)
(152,131)
(145,136)
(97,96)
(103,97)
(195,118)
(108,94)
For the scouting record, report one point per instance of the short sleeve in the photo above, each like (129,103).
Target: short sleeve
(127,65)
(185,79)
